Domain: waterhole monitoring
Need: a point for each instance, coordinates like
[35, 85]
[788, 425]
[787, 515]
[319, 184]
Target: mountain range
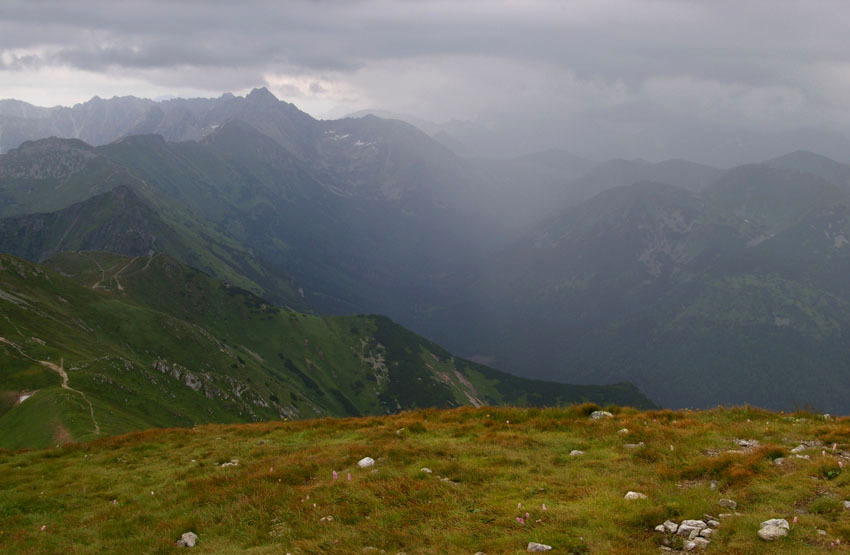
[697, 284]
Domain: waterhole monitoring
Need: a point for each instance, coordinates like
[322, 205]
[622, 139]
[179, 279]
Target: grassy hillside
[489, 467]
[149, 342]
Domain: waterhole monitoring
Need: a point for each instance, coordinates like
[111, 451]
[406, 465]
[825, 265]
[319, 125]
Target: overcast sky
[618, 65]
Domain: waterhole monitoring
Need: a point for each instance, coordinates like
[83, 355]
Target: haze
[715, 82]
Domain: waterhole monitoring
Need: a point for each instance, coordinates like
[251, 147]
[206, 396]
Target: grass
[139, 492]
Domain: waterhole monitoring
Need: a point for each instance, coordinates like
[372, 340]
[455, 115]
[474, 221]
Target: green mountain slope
[146, 341]
[735, 295]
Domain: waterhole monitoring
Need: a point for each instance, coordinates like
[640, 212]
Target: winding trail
[64, 375]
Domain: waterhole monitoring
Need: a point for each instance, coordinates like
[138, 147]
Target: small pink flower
[527, 515]
[834, 445]
[840, 464]
[43, 528]
[308, 497]
[544, 506]
[823, 452]
[519, 506]
[349, 476]
[271, 469]
[837, 542]
[795, 520]
[671, 447]
[335, 475]
[114, 501]
[520, 520]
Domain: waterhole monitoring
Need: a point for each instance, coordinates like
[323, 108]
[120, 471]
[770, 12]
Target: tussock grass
[489, 466]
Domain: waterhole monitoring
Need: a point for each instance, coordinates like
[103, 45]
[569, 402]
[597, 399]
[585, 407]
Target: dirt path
[102, 272]
[118, 273]
[64, 375]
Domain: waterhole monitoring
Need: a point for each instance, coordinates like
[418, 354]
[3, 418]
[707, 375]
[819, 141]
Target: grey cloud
[607, 69]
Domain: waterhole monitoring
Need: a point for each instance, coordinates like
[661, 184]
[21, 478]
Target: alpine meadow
[471, 277]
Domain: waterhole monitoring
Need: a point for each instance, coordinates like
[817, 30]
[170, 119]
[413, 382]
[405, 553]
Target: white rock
[366, 462]
[821, 532]
[234, 462]
[534, 547]
[701, 543]
[773, 529]
[635, 495]
[189, 539]
[713, 523]
[728, 503]
[600, 414]
[706, 533]
[689, 531]
[847, 505]
[690, 546]
[798, 449]
[670, 526]
[779, 461]
[623, 431]
[633, 445]
[576, 453]
[425, 469]
[698, 524]
[806, 457]
[660, 528]
[328, 518]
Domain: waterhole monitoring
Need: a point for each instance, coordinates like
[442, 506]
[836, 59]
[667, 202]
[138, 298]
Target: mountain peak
[262, 96]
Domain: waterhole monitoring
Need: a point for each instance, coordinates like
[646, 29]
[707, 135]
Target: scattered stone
[728, 503]
[690, 529]
[798, 449]
[773, 529]
[189, 539]
[534, 547]
[747, 443]
[779, 461]
[634, 445]
[635, 495]
[847, 505]
[806, 457]
[623, 431]
[665, 548]
[328, 518]
[400, 431]
[725, 515]
[576, 453]
[690, 545]
[821, 532]
[233, 462]
[366, 462]
[706, 533]
[660, 528]
[600, 414]
[713, 485]
[701, 543]
[670, 526]
[425, 469]
[480, 553]
[713, 523]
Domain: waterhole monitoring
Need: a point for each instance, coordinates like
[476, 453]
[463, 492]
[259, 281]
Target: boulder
[774, 529]
[635, 495]
[425, 469]
[576, 453]
[670, 526]
[189, 539]
[728, 503]
[534, 547]
[366, 462]
[600, 414]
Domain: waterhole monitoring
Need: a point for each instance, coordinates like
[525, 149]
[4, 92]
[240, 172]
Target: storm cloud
[649, 78]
